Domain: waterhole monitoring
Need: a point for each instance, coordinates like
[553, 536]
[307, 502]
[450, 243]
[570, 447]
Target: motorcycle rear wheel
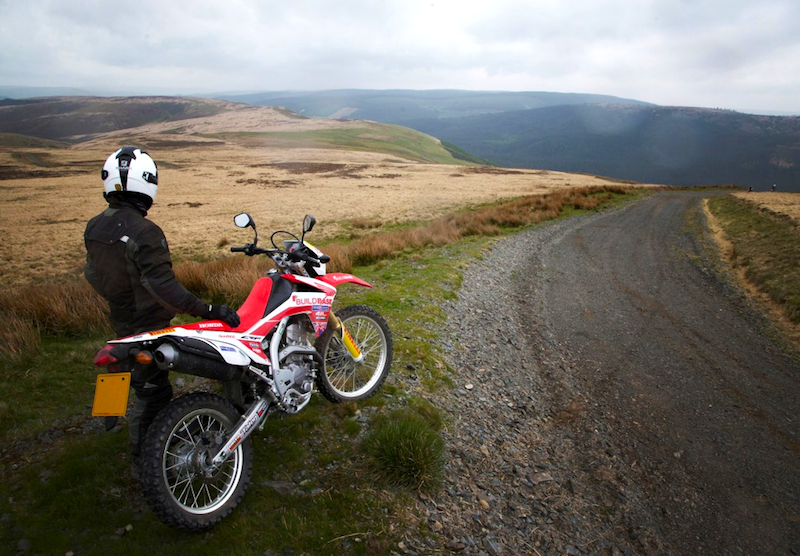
[341, 378]
[179, 486]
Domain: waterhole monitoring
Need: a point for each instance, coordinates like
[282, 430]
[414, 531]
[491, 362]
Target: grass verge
[763, 248]
[314, 490]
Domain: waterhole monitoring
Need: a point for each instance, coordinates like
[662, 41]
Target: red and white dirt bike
[197, 458]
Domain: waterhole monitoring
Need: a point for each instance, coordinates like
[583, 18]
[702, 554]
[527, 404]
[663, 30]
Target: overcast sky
[738, 54]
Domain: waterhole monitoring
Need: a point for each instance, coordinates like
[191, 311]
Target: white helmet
[130, 170]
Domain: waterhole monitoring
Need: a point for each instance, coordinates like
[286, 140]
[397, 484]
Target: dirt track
[705, 406]
[643, 409]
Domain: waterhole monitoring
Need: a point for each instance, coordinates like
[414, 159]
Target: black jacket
[128, 263]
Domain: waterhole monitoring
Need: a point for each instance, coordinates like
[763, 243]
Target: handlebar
[299, 255]
[281, 257]
[249, 249]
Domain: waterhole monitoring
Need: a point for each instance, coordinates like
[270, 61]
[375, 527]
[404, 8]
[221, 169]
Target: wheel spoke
[182, 460]
[351, 379]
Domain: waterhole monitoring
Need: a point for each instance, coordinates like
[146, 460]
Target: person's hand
[223, 313]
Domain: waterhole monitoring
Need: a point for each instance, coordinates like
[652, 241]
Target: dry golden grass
[230, 279]
[70, 308]
[201, 188]
[781, 203]
[48, 195]
[18, 338]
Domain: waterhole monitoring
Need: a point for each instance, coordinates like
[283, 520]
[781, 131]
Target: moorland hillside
[604, 135]
[217, 159]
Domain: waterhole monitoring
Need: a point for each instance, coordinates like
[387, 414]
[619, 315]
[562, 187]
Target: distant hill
[678, 146]
[179, 122]
[64, 118]
[596, 134]
[403, 106]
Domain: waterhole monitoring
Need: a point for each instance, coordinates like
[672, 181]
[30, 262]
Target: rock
[455, 545]
[492, 547]
[484, 504]
[469, 386]
[541, 477]
[23, 545]
[485, 450]
[283, 488]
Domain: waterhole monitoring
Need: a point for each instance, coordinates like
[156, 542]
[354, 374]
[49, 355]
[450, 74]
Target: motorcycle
[197, 456]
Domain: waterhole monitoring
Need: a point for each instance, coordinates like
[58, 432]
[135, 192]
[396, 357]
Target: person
[129, 264]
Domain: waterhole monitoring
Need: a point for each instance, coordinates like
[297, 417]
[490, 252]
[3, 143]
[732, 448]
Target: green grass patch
[461, 154]
[403, 449]
[766, 246]
[53, 384]
[388, 139]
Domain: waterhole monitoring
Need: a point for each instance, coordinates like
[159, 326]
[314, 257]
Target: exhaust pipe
[168, 357]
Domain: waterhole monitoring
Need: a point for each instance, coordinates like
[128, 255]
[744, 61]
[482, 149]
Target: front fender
[336, 278]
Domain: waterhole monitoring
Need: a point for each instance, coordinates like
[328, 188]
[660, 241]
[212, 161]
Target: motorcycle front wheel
[341, 377]
[180, 486]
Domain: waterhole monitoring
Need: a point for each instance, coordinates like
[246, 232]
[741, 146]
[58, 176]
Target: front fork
[347, 339]
[256, 414]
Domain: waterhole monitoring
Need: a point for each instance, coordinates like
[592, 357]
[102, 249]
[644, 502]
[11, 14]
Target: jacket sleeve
[91, 275]
[150, 254]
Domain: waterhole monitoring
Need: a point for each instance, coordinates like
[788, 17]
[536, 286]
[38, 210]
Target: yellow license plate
[111, 395]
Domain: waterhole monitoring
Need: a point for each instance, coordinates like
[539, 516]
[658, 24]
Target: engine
[294, 379]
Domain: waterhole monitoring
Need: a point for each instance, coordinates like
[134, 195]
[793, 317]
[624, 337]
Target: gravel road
[615, 395]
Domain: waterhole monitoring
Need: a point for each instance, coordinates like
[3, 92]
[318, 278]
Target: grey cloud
[668, 51]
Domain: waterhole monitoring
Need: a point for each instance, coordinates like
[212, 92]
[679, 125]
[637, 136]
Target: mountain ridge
[672, 145]
[594, 134]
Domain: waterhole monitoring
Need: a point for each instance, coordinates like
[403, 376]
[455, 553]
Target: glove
[223, 313]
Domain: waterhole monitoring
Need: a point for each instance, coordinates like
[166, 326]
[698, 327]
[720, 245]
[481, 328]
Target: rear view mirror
[243, 220]
[308, 223]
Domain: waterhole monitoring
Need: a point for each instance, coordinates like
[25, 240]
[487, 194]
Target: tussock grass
[366, 223]
[403, 449]
[490, 220]
[227, 280]
[68, 309]
[18, 338]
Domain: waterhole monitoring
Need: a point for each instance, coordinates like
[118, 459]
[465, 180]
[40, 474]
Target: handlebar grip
[238, 250]
[324, 259]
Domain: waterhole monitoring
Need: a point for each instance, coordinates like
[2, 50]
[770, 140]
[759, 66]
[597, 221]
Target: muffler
[169, 357]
